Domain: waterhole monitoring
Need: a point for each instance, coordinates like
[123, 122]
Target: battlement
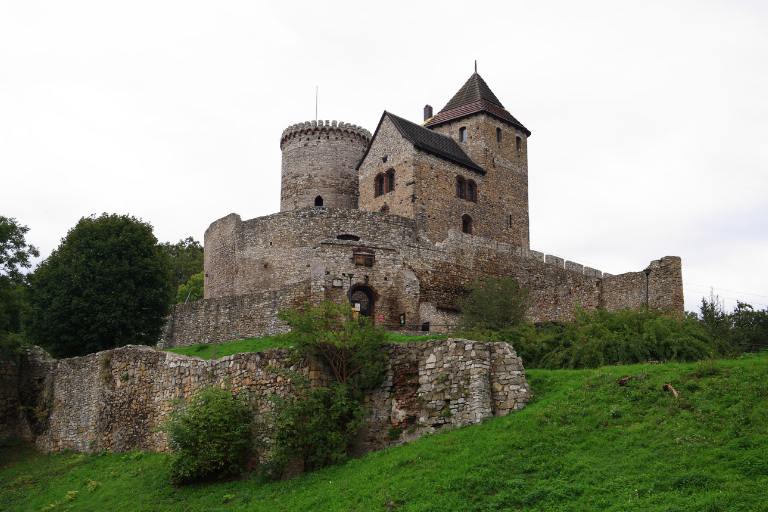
[324, 127]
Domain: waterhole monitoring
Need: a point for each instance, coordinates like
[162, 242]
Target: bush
[596, 338]
[192, 290]
[350, 346]
[494, 303]
[317, 427]
[210, 436]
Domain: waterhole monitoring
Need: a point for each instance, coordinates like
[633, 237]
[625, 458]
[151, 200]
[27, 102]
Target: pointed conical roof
[474, 96]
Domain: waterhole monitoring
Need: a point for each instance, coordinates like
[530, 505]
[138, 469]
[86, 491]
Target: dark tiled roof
[473, 97]
[433, 142]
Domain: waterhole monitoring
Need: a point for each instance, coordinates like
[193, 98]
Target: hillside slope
[584, 443]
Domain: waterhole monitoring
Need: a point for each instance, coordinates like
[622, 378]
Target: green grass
[584, 443]
[216, 350]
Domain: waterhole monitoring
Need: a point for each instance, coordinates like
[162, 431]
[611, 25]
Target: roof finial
[475, 66]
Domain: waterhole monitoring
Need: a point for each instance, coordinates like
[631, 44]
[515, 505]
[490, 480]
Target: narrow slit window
[471, 191]
[378, 185]
[463, 134]
[390, 181]
[460, 187]
[498, 135]
[466, 224]
[519, 143]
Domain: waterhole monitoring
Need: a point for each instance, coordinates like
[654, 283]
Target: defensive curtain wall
[314, 254]
[115, 400]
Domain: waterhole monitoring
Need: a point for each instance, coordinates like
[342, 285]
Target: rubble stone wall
[116, 400]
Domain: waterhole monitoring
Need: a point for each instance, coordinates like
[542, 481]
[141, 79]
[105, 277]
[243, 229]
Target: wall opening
[463, 134]
[498, 135]
[466, 224]
[319, 201]
[347, 236]
[519, 143]
[362, 299]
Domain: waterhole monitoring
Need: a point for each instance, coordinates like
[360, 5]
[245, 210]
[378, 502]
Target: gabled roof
[473, 97]
[428, 141]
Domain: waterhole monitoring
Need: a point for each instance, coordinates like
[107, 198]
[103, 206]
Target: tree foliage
[105, 286]
[192, 290]
[15, 256]
[350, 346]
[210, 435]
[317, 426]
[186, 257]
[494, 303]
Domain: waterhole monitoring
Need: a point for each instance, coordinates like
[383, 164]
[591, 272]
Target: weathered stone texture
[229, 318]
[320, 159]
[115, 400]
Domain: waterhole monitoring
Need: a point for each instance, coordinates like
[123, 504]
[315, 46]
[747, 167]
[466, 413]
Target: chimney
[427, 112]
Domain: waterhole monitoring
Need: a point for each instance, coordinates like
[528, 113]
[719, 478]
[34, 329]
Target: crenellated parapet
[324, 128]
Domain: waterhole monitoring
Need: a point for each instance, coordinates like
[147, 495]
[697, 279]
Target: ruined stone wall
[229, 318]
[659, 286]
[115, 400]
[320, 159]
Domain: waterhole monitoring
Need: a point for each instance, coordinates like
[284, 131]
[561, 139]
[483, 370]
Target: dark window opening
[384, 208]
[362, 299]
[463, 134]
[319, 201]
[460, 187]
[509, 221]
[346, 236]
[378, 185]
[498, 135]
[519, 143]
[425, 327]
[466, 224]
[471, 191]
[390, 183]
[363, 259]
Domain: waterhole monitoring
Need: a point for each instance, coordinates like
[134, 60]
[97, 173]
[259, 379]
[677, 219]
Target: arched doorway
[362, 297]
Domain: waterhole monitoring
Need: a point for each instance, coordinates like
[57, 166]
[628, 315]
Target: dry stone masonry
[116, 400]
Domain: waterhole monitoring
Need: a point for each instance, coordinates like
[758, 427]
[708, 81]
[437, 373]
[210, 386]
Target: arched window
[463, 134]
[471, 191]
[390, 183]
[519, 143]
[319, 201]
[378, 185]
[466, 224]
[460, 187]
[498, 135]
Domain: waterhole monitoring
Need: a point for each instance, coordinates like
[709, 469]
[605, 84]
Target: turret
[319, 164]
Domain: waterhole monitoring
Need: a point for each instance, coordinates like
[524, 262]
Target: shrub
[317, 426]
[494, 303]
[210, 436]
[192, 290]
[350, 346]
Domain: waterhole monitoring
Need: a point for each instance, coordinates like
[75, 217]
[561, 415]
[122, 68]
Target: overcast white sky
[649, 119]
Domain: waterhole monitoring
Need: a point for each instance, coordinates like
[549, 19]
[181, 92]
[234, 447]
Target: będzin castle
[399, 223]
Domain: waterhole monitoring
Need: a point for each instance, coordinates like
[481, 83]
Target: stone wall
[229, 318]
[115, 400]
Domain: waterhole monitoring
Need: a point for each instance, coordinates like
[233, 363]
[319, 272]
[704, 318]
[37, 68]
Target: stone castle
[400, 223]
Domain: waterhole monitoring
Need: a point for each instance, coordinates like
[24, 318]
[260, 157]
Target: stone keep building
[400, 223]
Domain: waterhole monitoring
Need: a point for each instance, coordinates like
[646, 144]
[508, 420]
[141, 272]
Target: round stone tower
[319, 160]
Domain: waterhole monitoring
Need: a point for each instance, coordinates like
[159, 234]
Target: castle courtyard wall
[117, 400]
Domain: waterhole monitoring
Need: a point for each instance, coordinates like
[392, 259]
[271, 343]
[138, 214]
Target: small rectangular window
[463, 134]
[519, 143]
[498, 135]
[363, 259]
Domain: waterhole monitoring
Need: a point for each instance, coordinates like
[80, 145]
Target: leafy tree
[494, 303]
[15, 252]
[105, 286]
[15, 255]
[186, 258]
[350, 346]
[211, 436]
[192, 290]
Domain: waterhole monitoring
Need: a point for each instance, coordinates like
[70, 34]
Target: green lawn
[585, 443]
[216, 350]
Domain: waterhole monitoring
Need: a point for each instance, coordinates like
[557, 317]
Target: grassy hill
[584, 443]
